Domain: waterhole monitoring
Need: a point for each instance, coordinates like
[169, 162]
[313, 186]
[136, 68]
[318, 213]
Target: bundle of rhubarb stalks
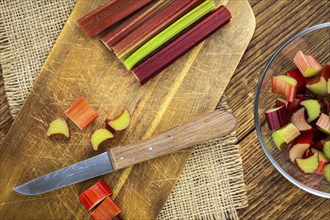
[301, 117]
[149, 35]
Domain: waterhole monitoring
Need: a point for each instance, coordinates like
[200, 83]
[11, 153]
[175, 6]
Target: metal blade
[83, 170]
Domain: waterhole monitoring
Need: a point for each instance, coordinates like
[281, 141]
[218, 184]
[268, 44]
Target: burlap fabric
[211, 185]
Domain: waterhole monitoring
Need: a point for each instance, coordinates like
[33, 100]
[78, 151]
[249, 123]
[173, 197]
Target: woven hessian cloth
[211, 185]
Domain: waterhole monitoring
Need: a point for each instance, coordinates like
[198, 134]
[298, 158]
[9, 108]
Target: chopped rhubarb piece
[58, 127]
[318, 84]
[81, 113]
[95, 194]
[170, 53]
[299, 120]
[169, 33]
[121, 122]
[323, 161]
[99, 136]
[133, 22]
[326, 173]
[308, 165]
[285, 86]
[299, 146]
[326, 149]
[152, 27]
[285, 135]
[277, 118]
[323, 123]
[106, 210]
[291, 107]
[307, 65]
[301, 80]
[108, 15]
[314, 108]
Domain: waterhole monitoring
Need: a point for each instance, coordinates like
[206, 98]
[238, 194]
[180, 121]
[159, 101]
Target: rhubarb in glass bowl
[313, 41]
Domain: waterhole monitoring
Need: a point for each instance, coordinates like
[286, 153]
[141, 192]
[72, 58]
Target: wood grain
[201, 129]
[78, 66]
[270, 195]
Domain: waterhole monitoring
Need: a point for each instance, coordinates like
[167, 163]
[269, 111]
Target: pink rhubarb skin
[133, 22]
[108, 15]
[181, 45]
[149, 29]
[277, 118]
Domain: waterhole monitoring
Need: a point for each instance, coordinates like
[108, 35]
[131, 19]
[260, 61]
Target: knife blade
[203, 128]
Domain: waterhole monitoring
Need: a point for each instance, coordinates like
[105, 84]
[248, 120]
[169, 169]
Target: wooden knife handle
[203, 128]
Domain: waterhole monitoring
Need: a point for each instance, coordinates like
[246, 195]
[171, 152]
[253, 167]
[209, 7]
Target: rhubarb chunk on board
[121, 122]
[95, 194]
[58, 127]
[99, 136]
[108, 209]
[81, 113]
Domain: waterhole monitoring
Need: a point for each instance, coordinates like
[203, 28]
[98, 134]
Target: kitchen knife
[203, 128]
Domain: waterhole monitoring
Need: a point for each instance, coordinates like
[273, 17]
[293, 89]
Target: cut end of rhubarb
[121, 122]
[308, 165]
[285, 86]
[299, 147]
[94, 195]
[108, 209]
[299, 120]
[99, 136]
[285, 135]
[313, 108]
[326, 149]
[307, 65]
[323, 161]
[323, 123]
[58, 127]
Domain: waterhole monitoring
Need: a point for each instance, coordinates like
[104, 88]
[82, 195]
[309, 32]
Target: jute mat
[211, 185]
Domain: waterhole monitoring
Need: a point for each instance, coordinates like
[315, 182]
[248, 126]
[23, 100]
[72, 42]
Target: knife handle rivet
[121, 158]
[150, 148]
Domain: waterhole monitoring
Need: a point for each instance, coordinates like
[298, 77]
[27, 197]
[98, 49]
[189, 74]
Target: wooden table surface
[270, 195]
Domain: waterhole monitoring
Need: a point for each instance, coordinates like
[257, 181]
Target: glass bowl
[314, 41]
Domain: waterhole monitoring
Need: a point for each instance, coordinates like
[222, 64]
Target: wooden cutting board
[78, 66]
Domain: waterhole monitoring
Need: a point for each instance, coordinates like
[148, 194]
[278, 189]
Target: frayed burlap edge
[9, 77]
[211, 186]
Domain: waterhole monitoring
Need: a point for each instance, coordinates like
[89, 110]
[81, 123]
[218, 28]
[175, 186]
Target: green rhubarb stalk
[170, 32]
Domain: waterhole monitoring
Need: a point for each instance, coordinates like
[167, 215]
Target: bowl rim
[256, 121]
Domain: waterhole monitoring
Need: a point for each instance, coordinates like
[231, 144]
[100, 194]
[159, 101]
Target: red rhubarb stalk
[133, 22]
[149, 29]
[301, 80]
[181, 45]
[95, 194]
[106, 210]
[108, 15]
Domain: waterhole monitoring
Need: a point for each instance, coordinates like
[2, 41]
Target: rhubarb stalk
[170, 32]
[108, 15]
[152, 27]
[173, 51]
[133, 22]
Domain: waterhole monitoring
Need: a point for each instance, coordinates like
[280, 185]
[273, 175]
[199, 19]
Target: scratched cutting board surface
[78, 66]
